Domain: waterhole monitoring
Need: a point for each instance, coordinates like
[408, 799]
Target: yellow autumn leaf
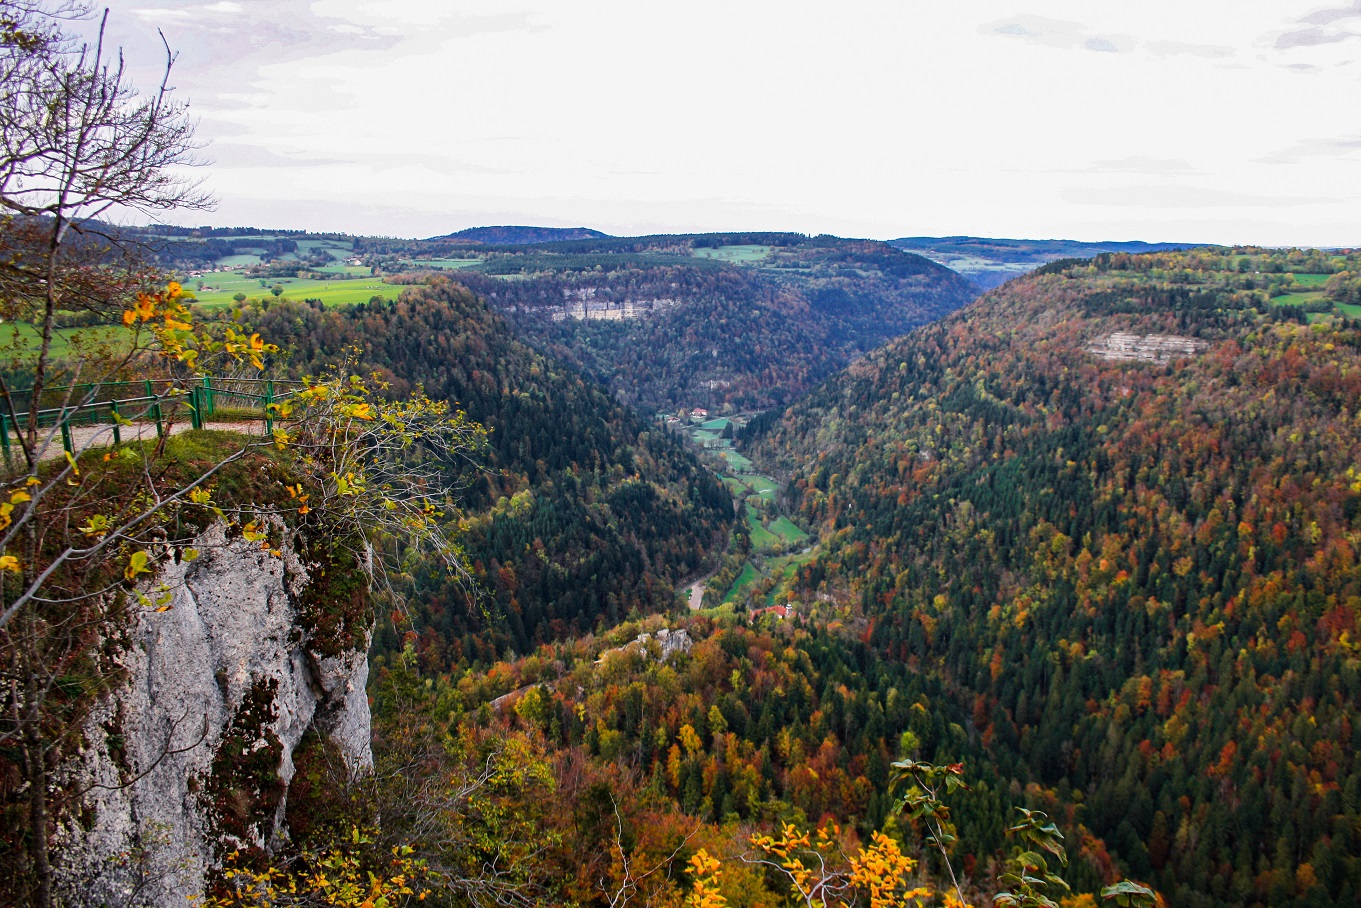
[137, 564]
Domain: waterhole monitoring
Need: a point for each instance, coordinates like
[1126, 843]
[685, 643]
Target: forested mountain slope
[738, 320]
[1138, 577]
[584, 511]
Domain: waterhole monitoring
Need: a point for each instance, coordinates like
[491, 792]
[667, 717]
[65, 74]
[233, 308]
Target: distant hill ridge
[990, 261]
[523, 236]
[1035, 248]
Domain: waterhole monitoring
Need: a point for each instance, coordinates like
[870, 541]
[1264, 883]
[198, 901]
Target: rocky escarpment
[193, 753]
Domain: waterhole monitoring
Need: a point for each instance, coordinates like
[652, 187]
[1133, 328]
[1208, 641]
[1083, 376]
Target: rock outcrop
[1150, 348]
[194, 752]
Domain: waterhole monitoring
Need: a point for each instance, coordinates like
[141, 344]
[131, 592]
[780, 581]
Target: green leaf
[137, 564]
[1130, 894]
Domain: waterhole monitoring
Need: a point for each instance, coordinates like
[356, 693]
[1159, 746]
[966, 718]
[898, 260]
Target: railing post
[195, 416]
[4, 437]
[206, 398]
[155, 407]
[269, 404]
[117, 429]
[66, 435]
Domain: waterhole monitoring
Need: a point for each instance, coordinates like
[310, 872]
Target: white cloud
[1058, 33]
[872, 117]
[1328, 16]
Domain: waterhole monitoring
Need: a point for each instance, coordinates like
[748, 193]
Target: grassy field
[736, 461]
[788, 532]
[738, 255]
[1299, 299]
[1311, 280]
[22, 339]
[783, 570]
[1349, 310]
[762, 539]
[220, 288]
[332, 247]
[748, 578]
[351, 270]
[763, 486]
[446, 264]
[716, 425]
[780, 533]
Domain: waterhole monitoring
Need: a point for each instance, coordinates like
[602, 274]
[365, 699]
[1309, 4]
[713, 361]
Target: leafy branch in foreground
[386, 470]
[818, 871]
[922, 801]
[344, 875]
[1027, 877]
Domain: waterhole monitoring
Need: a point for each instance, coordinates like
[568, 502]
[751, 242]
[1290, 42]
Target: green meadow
[736, 461]
[748, 578]
[443, 264]
[783, 570]
[220, 288]
[763, 486]
[766, 577]
[762, 539]
[21, 340]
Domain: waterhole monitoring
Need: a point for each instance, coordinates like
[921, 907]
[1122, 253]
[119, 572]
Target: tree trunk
[35, 766]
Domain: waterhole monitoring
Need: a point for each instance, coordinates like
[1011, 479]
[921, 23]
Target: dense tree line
[1140, 579]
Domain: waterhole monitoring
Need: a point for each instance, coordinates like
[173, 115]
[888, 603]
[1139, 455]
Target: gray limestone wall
[193, 753]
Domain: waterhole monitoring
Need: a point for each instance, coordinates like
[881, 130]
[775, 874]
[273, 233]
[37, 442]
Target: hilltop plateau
[723, 321]
[515, 236]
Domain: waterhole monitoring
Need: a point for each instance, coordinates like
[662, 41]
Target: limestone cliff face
[194, 751]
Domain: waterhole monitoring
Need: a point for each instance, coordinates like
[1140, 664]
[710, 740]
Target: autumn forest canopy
[527, 566]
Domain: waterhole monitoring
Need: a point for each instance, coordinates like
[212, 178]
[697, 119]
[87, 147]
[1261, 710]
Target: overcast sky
[1180, 120]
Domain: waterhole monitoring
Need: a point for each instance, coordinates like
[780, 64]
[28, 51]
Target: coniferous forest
[1120, 590]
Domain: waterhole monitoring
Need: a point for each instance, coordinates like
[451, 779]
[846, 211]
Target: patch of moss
[321, 802]
[244, 788]
[335, 609]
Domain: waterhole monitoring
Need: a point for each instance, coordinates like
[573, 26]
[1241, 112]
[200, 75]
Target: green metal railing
[110, 402]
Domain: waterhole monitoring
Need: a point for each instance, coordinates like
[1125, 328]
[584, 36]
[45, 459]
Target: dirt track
[85, 437]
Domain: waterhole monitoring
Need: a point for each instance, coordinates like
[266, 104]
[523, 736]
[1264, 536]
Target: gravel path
[84, 438]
